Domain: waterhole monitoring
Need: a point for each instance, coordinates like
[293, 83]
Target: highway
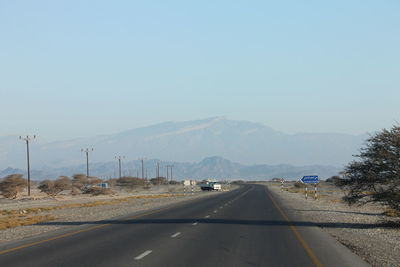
[243, 227]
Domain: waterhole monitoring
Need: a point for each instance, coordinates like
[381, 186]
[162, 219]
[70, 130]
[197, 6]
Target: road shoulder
[321, 243]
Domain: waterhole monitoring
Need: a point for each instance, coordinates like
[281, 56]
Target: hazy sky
[79, 68]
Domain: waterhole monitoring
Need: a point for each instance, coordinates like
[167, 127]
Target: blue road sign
[309, 179]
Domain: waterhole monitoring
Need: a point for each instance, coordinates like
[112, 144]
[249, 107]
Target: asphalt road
[244, 227]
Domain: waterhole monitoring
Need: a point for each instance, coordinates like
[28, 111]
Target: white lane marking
[144, 254]
[176, 234]
[194, 223]
[215, 211]
[208, 216]
[221, 207]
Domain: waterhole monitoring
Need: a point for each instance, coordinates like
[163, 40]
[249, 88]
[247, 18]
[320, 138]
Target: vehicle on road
[210, 186]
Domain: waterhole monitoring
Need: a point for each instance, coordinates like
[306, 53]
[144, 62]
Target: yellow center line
[298, 236]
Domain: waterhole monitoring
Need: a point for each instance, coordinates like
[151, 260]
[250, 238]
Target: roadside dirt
[27, 217]
[363, 229]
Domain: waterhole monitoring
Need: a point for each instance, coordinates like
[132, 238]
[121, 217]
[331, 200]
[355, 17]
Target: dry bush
[295, 190]
[80, 182]
[158, 180]
[299, 185]
[92, 181]
[112, 182]
[20, 220]
[97, 191]
[392, 213]
[333, 179]
[130, 182]
[12, 185]
[53, 188]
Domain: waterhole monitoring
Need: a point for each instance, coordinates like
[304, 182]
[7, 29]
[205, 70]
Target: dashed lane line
[195, 223]
[144, 254]
[176, 234]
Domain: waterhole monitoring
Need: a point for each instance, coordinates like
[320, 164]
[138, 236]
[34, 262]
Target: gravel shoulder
[363, 229]
[111, 206]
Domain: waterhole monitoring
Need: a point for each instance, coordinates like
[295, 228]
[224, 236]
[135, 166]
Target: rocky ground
[69, 211]
[364, 229]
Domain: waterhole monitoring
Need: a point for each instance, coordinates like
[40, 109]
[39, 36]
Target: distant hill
[191, 141]
[211, 167]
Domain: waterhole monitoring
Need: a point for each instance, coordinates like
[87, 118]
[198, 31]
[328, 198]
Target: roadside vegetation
[375, 177]
[79, 186]
[53, 188]
[12, 185]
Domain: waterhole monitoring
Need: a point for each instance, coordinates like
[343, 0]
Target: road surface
[244, 227]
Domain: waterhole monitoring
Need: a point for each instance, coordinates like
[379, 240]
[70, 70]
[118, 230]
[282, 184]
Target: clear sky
[79, 68]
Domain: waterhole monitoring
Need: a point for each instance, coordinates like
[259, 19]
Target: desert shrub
[11, 185]
[97, 191]
[53, 188]
[299, 185]
[92, 180]
[375, 177]
[333, 179]
[174, 182]
[112, 182]
[130, 182]
[158, 180]
[80, 182]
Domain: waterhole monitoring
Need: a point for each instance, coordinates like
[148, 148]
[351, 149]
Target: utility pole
[87, 150]
[27, 139]
[119, 164]
[142, 160]
[167, 171]
[169, 167]
[158, 170]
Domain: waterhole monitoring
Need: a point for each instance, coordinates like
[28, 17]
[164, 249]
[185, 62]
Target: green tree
[375, 177]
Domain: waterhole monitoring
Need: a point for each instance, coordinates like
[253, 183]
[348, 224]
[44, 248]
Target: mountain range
[190, 141]
[211, 167]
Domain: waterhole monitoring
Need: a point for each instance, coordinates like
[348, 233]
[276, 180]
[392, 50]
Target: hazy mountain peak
[191, 141]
